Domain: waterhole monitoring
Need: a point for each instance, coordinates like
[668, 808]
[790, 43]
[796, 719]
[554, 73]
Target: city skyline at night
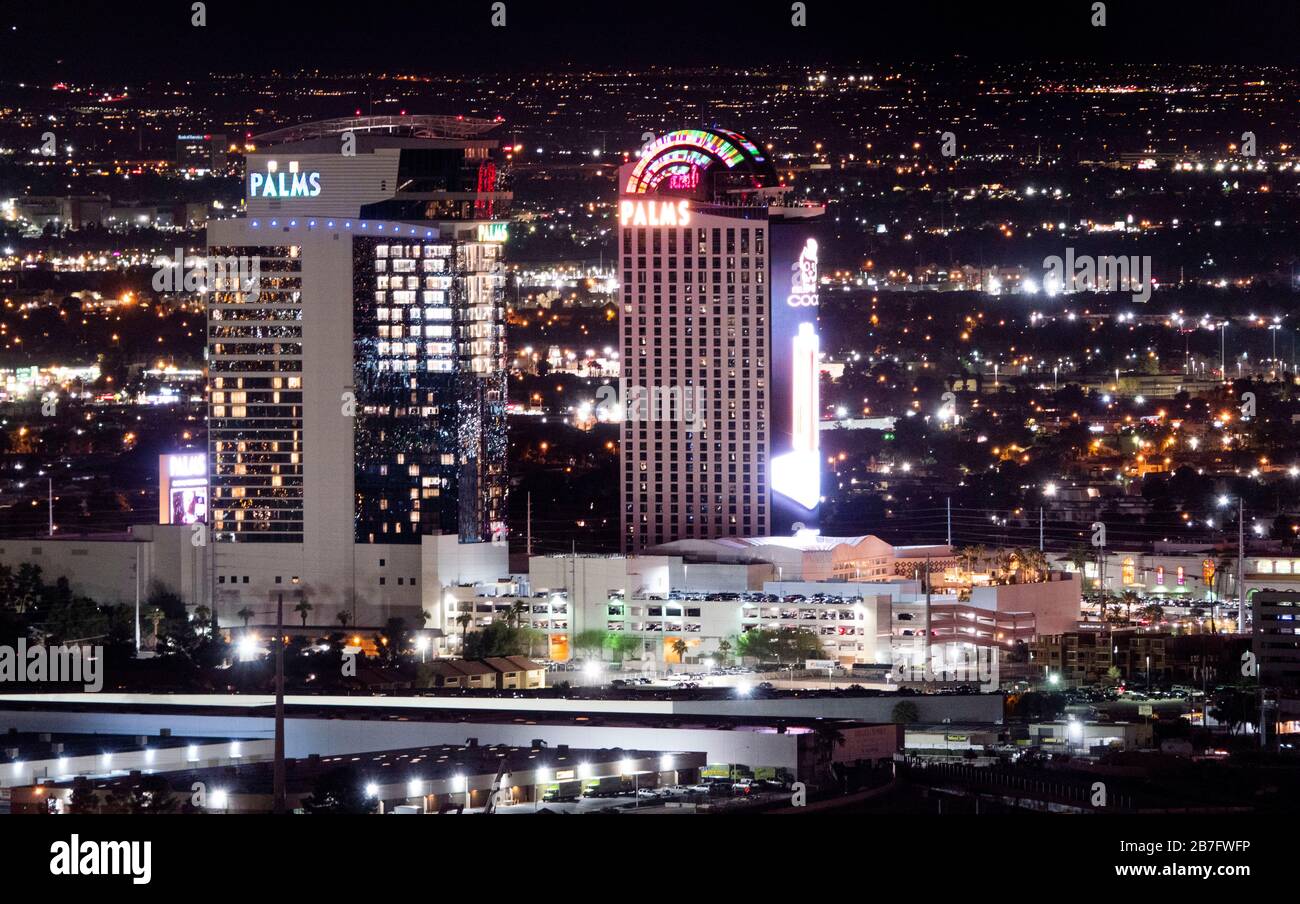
[510, 408]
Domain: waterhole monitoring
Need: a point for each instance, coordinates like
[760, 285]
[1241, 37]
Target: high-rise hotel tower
[708, 396]
[357, 384]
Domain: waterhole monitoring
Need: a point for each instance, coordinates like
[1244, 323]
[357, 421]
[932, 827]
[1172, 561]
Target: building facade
[356, 350]
[695, 218]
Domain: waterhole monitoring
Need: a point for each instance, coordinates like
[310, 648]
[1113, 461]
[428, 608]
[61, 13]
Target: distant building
[1086, 657]
[1276, 640]
[495, 672]
[201, 155]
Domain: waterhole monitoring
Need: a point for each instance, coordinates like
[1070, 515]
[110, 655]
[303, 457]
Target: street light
[422, 644]
[1241, 558]
[541, 776]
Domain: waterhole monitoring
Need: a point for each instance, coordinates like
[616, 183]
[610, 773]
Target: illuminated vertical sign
[183, 488]
[795, 376]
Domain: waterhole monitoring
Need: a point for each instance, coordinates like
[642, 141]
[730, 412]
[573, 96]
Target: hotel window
[1264, 566]
[1128, 572]
[1282, 566]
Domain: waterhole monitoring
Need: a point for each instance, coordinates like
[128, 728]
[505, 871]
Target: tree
[679, 647]
[246, 614]
[826, 738]
[1034, 561]
[590, 640]
[621, 645]
[302, 609]
[1130, 598]
[341, 792]
[1234, 707]
[517, 612]
[1153, 612]
[758, 643]
[152, 795]
[724, 649]
[463, 621]
[904, 713]
[343, 617]
[500, 638]
[155, 615]
[1079, 557]
[82, 798]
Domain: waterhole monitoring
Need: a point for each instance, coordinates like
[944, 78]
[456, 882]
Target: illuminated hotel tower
[696, 214]
[357, 391]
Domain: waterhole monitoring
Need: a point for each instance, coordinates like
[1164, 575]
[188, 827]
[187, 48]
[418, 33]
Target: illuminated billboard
[183, 488]
[795, 410]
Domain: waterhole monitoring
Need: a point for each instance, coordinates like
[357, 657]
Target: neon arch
[677, 152]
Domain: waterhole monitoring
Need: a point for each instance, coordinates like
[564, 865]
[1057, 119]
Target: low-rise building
[1086, 657]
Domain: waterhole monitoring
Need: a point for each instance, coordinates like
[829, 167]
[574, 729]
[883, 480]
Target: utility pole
[1241, 561]
[1223, 350]
[277, 775]
[1040, 528]
[528, 529]
[927, 664]
[51, 483]
[138, 547]
[950, 521]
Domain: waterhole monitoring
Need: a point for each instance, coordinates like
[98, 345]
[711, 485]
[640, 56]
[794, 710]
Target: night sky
[119, 41]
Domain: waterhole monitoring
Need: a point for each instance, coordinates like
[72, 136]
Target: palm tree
[1079, 557]
[825, 739]
[246, 614]
[724, 649]
[1006, 560]
[302, 609]
[1035, 562]
[679, 647]
[155, 615]
[343, 617]
[516, 614]
[464, 620]
[1130, 597]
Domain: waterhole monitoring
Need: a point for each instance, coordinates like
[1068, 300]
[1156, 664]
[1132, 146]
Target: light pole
[1223, 350]
[277, 774]
[1241, 558]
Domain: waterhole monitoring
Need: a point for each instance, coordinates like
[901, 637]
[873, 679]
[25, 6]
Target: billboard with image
[795, 404]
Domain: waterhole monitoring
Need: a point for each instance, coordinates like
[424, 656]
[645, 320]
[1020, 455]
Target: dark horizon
[156, 40]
